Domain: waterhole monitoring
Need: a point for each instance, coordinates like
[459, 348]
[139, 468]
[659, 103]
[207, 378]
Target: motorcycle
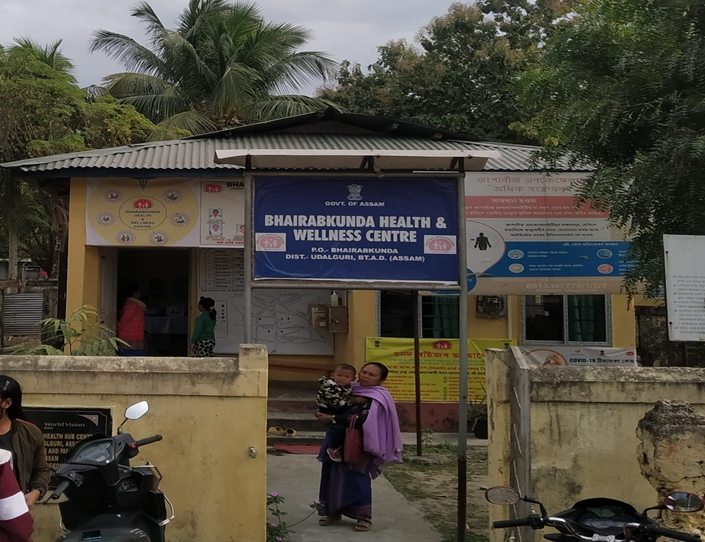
[600, 519]
[108, 500]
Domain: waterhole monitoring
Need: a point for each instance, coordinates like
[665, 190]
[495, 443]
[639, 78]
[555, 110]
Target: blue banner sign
[357, 229]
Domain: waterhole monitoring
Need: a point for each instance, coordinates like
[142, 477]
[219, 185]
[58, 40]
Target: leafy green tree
[43, 231]
[622, 88]
[38, 102]
[43, 113]
[462, 74]
[399, 84]
[49, 54]
[221, 66]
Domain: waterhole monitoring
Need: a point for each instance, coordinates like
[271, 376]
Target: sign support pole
[249, 256]
[416, 299]
[463, 359]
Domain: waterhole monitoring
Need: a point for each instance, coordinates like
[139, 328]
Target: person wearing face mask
[25, 441]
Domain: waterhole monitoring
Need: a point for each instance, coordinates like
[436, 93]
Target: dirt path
[433, 489]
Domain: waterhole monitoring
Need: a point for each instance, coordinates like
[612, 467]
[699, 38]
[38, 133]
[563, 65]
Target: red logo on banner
[440, 244]
[270, 242]
[213, 188]
[442, 345]
[143, 204]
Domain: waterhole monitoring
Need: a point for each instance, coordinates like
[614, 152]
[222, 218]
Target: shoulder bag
[354, 449]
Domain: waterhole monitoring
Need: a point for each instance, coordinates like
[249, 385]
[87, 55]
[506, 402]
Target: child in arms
[335, 397]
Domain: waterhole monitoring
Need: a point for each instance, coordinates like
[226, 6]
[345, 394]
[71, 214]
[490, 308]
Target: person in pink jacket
[130, 327]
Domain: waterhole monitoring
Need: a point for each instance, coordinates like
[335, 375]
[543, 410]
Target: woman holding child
[346, 490]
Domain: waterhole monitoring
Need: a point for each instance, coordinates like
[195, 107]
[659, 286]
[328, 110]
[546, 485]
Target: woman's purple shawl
[380, 432]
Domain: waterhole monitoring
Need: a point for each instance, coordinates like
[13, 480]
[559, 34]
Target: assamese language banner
[527, 235]
[440, 366]
[399, 229]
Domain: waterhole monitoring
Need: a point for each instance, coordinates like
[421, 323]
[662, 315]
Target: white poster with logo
[579, 356]
[223, 213]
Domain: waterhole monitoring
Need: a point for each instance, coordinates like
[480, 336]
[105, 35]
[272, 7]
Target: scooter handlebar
[532, 521]
[60, 489]
[506, 523]
[148, 440]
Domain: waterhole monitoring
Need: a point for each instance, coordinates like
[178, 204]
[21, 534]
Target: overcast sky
[345, 29]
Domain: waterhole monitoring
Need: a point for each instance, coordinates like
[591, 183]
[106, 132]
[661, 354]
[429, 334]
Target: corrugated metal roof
[199, 154]
[519, 158]
[332, 120]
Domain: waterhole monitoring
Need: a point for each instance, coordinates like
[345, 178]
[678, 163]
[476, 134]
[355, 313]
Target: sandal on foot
[362, 526]
[327, 520]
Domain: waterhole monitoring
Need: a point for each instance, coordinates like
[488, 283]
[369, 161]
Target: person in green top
[203, 338]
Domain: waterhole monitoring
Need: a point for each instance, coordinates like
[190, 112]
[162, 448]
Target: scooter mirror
[136, 411]
[684, 501]
[502, 495]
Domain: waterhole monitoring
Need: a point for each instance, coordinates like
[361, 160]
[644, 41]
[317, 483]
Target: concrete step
[302, 438]
[288, 404]
[294, 389]
[300, 421]
[294, 420]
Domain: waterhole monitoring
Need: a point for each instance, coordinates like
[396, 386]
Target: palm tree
[223, 65]
[49, 54]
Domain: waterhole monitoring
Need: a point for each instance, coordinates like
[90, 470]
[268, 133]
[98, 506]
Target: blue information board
[562, 259]
[356, 229]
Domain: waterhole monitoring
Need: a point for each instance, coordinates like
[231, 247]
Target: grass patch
[433, 489]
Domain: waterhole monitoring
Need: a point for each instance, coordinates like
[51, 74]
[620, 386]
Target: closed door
[107, 303]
